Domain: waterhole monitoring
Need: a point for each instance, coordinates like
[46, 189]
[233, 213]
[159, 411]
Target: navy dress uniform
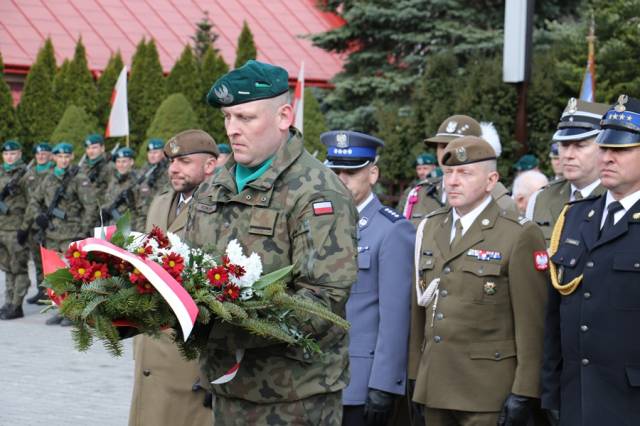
[378, 307]
[591, 370]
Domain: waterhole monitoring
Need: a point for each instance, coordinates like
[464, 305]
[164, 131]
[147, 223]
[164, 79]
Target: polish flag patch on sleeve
[322, 207]
[541, 260]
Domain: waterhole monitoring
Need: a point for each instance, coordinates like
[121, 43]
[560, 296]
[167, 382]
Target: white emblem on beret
[174, 146]
[572, 106]
[622, 99]
[223, 94]
[342, 140]
[451, 126]
[461, 154]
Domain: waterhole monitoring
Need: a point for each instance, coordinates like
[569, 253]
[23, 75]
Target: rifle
[81, 162]
[52, 209]
[122, 197]
[10, 188]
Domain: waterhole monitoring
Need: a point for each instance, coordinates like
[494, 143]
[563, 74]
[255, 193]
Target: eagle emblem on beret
[461, 154]
[451, 126]
[173, 145]
[342, 140]
[622, 99]
[223, 94]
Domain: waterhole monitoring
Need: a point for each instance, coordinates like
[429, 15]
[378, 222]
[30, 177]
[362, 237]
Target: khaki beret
[192, 141]
[467, 150]
[454, 128]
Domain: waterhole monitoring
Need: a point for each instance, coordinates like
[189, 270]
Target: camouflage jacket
[99, 175]
[122, 196]
[154, 183]
[34, 180]
[15, 198]
[278, 217]
[78, 204]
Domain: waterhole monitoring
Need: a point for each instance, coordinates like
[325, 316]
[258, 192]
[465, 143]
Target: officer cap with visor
[580, 120]
[621, 124]
[350, 150]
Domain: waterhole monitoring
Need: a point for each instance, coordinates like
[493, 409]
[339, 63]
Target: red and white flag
[118, 124]
[298, 100]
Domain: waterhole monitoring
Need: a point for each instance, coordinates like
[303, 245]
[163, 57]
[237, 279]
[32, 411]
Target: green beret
[526, 162]
[93, 139]
[155, 143]
[42, 147]
[251, 82]
[124, 153]
[63, 148]
[425, 159]
[191, 142]
[467, 150]
[11, 145]
[224, 148]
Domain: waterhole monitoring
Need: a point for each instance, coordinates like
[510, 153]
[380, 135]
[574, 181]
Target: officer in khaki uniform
[478, 303]
[429, 195]
[13, 251]
[121, 194]
[283, 204]
[579, 125]
[168, 390]
[155, 179]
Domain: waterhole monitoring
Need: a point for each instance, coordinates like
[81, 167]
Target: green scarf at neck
[244, 174]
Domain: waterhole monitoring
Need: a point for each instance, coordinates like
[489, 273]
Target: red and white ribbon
[176, 296]
[231, 373]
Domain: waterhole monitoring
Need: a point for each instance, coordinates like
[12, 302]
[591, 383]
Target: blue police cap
[621, 124]
[580, 120]
[93, 139]
[42, 147]
[349, 150]
[155, 143]
[124, 153]
[11, 145]
[63, 148]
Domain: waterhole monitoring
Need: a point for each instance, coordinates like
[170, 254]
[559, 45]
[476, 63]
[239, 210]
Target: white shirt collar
[183, 199]
[627, 202]
[365, 203]
[468, 219]
[586, 191]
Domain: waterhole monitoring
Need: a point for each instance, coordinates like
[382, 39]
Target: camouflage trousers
[13, 261]
[34, 248]
[324, 409]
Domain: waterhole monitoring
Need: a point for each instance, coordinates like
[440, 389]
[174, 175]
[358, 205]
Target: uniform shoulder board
[556, 182]
[514, 217]
[391, 214]
[441, 210]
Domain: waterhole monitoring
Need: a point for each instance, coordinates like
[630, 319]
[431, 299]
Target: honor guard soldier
[591, 372]
[280, 202]
[225, 153]
[525, 163]
[556, 161]
[425, 165]
[579, 125]
[121, 194]
[378, 307]
[154, 179]
[14, 254]
[96, 165]
[35, 175]
[168, 390]
[63, 206]
[478, 302]
[430, 195]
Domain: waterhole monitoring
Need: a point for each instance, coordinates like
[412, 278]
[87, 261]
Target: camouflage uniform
[13, 256]
[154, 183]
[78, 203]
[98, 171]
[121, 196]
[274, 217]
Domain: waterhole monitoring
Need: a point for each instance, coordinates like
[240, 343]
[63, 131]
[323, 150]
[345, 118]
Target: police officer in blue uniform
[379, 305]
[591, 373]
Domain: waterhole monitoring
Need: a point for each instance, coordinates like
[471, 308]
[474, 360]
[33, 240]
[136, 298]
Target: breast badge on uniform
[490, 288]
[363, 222]
[541, 260]
[485, 254]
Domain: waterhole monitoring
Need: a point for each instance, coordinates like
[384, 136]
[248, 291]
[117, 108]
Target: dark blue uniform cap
[580, 120]
[621, 124]
[93, 139]
[553, 152]
[349, 150]
[42, 147]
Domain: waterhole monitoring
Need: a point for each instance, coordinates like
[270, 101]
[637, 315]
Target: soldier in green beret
[154, 179]
[225, 153]
[280, 202]
[96, 166]
[525, 163]
[425, 164]
[478, 301]
[63, 206]
[13, 251]
[121, 194]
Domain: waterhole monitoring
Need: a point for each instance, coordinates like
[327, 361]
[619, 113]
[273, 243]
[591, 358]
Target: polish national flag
[118, 124]
[298, 100]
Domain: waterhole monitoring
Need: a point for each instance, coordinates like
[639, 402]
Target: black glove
[106, 215]
[515, 411]
[378, 407]
[22, 236]
[42, 221]
[553, 416]
[208, 399]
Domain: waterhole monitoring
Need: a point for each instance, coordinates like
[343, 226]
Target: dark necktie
[458, 234]
[609, 221]
[181, 204]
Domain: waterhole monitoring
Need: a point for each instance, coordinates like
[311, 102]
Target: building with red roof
[278, 27]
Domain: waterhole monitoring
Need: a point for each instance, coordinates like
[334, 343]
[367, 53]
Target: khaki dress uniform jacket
[162, 390]
[482, 337]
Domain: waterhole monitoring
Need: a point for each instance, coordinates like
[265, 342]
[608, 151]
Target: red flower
[136, 277]
[218, 276]
[99, 271]
[145, 288]
[157, 234]
[173, 263]
[236, 270]
[144, 251]
[123, 266]
[74, 253]
[100, 257]
[81, 270]
[232, 291]
[225, 260]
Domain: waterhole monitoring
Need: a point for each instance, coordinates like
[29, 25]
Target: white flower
[252, 265]
[178, 246]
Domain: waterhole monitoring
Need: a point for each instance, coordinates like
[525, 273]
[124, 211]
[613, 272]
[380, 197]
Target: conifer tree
[314, 125]
[83, 92]
[246, 47]
[47, 55]
[173, 116]
[106, 83]
[146, 89]
[9, 122]
[185, 78]
[73, 127]
[212, 68]
[204, 37]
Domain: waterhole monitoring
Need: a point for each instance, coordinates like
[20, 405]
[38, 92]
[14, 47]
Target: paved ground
[45, 381]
